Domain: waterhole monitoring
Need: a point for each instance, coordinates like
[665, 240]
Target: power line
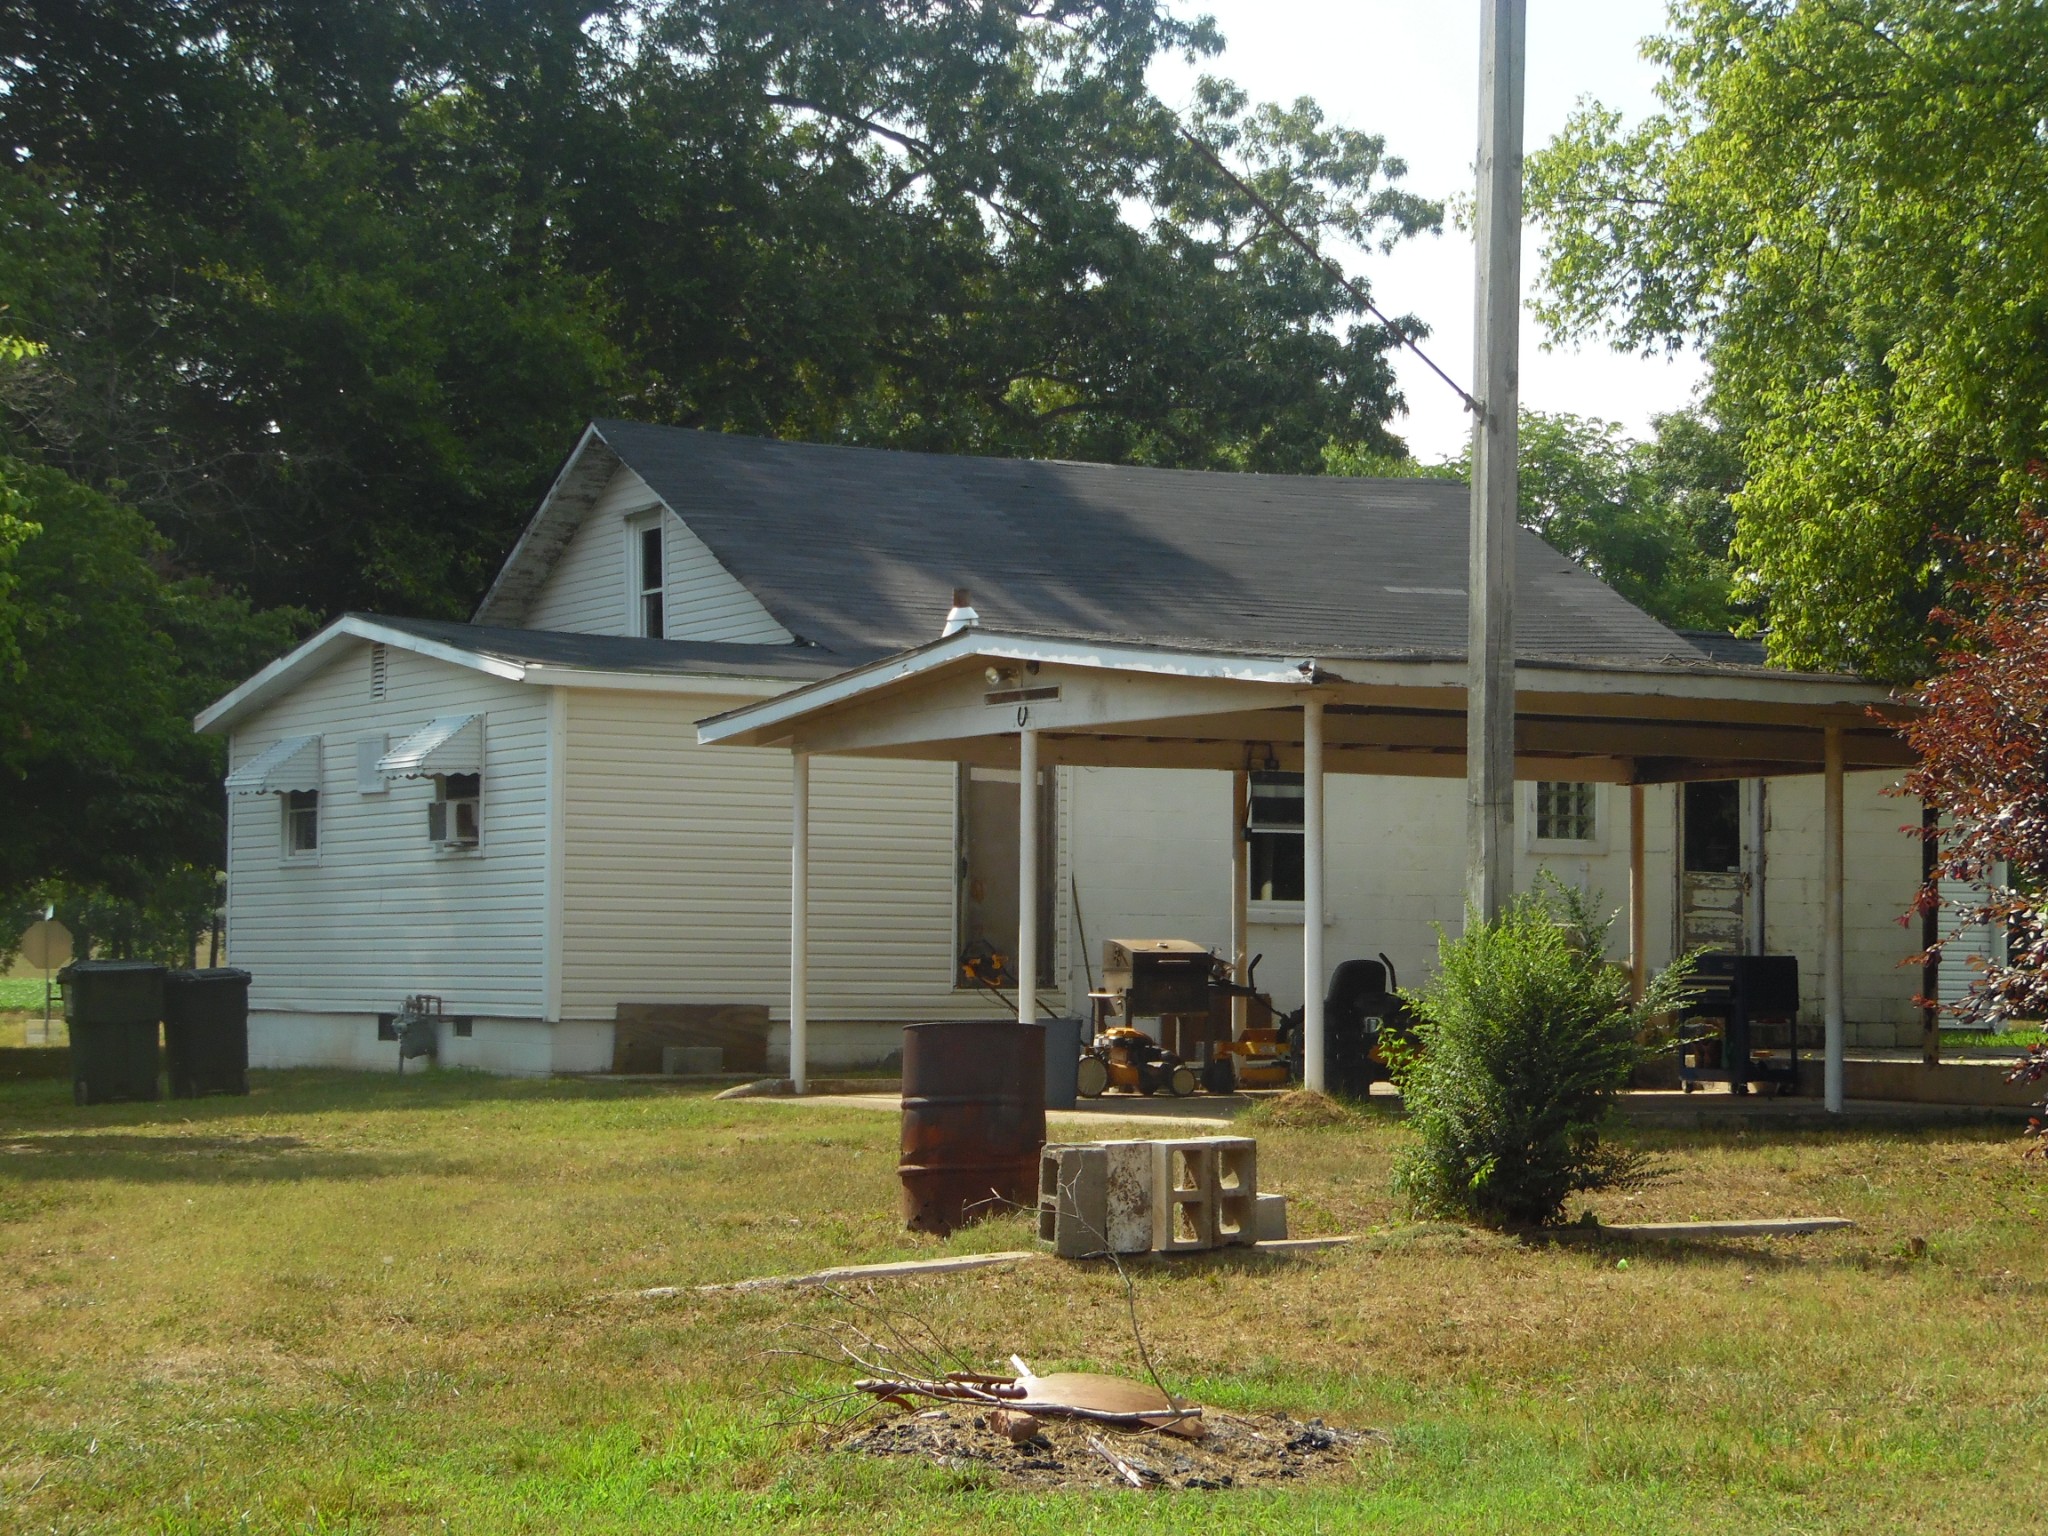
[1336, 273]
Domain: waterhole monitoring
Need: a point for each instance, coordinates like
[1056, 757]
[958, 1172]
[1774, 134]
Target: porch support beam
[799, 921]
[1831, 922]
[1027, 876]
[1312, 896]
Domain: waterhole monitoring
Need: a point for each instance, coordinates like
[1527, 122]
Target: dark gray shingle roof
[1734, 650]
[621, 653]
[857, 550]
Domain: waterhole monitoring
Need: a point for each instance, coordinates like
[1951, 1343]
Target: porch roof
[1114, 703]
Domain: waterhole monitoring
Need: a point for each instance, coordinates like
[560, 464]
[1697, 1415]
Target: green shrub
[1523, 1041]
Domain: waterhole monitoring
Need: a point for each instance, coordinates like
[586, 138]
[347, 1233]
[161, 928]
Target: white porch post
[1312, 902]
[1638, 898]
[1027, 876]
[799, 920]
[1240, 879]
[1831, 920]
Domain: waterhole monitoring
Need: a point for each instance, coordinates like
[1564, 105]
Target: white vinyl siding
[593, 587]
[1970, 945]
[381, 914]
[676, 871]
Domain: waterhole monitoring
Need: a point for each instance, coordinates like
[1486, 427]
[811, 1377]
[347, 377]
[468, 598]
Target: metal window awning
[449, 744]
[283, 767]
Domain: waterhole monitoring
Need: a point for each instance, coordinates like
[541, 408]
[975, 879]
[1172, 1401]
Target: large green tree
[1653, 519]
[325, 290]
[105, 655]
[1845, 204]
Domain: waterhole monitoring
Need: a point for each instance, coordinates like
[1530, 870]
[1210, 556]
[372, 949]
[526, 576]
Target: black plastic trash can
[111, 1008]
[206, 1031]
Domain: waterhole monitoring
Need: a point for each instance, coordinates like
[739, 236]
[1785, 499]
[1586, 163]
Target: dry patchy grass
[351, 1303]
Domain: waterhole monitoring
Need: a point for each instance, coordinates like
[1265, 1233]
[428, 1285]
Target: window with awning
[287, 767]
[448, 744]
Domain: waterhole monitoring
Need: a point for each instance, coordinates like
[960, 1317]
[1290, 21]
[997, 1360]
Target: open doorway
[985, 944]
[1720, 890]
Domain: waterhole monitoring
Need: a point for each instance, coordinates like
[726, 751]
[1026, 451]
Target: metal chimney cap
[961, 615]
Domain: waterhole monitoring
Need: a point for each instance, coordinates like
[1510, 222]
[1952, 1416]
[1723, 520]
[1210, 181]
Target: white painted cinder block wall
[1151, 858]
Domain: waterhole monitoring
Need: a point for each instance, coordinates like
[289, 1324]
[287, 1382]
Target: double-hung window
[301, 823]
[648, 587]
[455, 818]
[1274, 832]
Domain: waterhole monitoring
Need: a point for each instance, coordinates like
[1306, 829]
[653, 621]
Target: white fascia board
[279, 677]
[1818, 690]
[517, 558]
[977, 644]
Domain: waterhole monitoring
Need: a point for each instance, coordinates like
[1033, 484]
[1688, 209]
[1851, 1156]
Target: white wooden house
[516, 815]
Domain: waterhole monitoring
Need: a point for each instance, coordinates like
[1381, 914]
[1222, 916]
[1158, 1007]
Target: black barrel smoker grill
[1742, 1025]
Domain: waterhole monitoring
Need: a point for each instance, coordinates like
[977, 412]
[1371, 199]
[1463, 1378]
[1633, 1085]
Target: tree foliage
[1524, 1040]
[104, 786]
[1982, 741]
[1654, 519]
[1845, 204]
[326, 290]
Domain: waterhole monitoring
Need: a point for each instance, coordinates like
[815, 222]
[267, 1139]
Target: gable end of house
[606, 554]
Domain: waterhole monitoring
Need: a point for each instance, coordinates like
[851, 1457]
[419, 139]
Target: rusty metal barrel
[973, 1120]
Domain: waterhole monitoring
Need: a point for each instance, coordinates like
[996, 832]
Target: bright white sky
[1408, 70]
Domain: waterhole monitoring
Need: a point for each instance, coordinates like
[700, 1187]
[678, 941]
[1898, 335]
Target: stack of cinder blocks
[1149, 1196]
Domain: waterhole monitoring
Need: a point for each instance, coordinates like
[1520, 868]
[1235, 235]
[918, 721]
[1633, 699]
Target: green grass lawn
[23, 992]
[2019, 1035]
[360, 1304]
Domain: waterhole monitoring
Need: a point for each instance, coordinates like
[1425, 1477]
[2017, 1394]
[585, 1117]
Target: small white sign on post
[46, 945]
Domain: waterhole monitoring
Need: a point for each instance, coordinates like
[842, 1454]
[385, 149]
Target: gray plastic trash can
[1062, 1061]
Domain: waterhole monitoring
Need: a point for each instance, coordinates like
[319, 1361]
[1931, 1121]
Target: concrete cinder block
[1237, 1189]
[1271, 1221]
[1129, 1175]
[1183, 1195]
[1073, 1199]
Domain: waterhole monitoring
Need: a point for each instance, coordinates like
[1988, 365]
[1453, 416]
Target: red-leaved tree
[1983, 747]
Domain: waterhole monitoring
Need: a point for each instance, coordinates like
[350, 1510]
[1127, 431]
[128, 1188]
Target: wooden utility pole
[1490, 686]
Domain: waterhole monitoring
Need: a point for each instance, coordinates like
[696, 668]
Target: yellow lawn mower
[1131, 1060]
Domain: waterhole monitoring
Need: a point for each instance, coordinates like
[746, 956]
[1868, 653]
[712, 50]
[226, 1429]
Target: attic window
[647, 570]
[380, 669]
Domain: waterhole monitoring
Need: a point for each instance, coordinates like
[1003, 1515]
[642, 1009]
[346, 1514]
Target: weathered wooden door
[1720, 851]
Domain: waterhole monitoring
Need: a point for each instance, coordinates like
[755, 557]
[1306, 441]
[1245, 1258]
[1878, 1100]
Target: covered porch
[1015, 701]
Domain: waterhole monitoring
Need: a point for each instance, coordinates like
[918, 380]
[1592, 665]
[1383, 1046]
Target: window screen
[1713, 827]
